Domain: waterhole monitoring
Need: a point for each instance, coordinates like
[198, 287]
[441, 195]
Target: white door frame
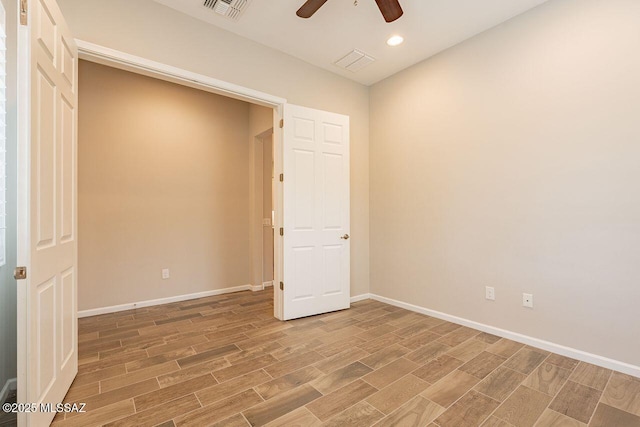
[256, 161]
[22, 224]
[124, 61]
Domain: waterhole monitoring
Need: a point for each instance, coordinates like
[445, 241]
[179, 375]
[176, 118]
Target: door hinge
[281, 177]
[282, 286]
[20, 273]
[281, 123]
[24, 7]
[281, 231]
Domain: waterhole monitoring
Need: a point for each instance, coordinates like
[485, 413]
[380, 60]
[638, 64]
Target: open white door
[316, 212]
[47, 211]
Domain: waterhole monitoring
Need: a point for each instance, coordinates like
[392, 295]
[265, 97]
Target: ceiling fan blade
[309, 8]
[391, 9]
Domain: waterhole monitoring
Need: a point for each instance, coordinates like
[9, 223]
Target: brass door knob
[345, 237]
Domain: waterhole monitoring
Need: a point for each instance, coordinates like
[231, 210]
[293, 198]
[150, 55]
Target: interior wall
[162, 183]
[150, 30]
[8, 289]
[511, 160]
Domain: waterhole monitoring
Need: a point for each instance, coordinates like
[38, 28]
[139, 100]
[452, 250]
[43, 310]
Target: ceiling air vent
[231, 9]
[354, 61]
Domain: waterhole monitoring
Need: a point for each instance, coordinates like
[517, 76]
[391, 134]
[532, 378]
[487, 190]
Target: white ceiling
[428, 26]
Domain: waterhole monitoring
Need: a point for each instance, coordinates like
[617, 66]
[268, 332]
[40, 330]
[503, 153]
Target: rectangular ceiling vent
[231, 9]
[354, 61]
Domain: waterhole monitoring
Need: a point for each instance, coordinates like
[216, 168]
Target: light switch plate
[527, 300]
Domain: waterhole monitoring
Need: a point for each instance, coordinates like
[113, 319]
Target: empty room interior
[320, 213]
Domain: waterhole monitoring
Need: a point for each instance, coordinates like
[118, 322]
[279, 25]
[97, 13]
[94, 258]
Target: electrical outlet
[527, 300]
[165, 273]
[490, 293]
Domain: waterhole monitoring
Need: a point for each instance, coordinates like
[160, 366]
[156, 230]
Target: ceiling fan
[390, 9]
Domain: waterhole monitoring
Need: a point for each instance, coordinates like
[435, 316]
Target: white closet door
[48, 63]
[316, 212]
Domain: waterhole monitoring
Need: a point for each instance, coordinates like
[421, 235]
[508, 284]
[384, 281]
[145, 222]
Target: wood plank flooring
[9, 419]
[225, 361]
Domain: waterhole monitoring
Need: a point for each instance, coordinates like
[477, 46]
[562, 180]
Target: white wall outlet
[490, 293]
[165, 273]
[527, 300]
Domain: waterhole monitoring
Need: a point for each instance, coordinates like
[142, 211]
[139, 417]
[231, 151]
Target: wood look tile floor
[225, 361]
[9, 419]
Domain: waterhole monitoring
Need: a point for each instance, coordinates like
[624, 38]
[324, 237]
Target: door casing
[256, 173]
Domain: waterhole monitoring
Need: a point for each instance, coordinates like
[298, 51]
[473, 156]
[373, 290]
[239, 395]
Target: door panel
[45, 338]
[303, 260]
[44, 151]
[332, 265]
[67, 340]
[67, 167]
[50, 71]
[316, 212]
[332, 194]
[304, 196]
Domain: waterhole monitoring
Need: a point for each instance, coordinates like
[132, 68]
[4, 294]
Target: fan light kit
[390, 9]
[395, 40]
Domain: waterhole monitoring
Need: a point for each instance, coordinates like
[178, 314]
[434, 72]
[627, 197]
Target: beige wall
[511, 161]
[148, 29]
[163, 182]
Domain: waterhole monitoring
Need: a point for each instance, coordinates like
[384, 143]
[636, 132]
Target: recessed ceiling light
[395, 40]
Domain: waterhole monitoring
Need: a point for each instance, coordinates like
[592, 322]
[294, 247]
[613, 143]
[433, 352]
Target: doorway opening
[123, 61]
[169, 180]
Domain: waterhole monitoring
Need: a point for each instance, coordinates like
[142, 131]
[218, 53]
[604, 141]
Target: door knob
[345, 237]
[20, 273]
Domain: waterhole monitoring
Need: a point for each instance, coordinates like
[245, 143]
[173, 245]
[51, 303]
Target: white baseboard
[256, 288]
[361, 297]
[525, 339]
[11, 384]
[159, 301]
